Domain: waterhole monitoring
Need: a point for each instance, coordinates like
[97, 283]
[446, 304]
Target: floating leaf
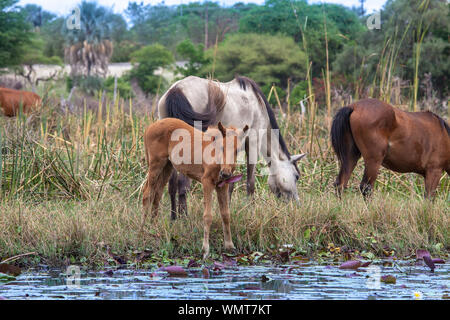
[429, 262]
[420, 253]
[388, 279]
[439, 261]
[175, 271]
[109, 273]
[352, 264]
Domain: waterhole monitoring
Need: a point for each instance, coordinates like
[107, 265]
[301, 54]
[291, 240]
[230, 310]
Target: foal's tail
[342, 139]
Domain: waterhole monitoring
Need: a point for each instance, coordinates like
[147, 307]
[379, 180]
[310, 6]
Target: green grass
[70, 185]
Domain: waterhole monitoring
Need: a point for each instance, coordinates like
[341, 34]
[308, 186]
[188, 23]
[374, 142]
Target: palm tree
[89, 49]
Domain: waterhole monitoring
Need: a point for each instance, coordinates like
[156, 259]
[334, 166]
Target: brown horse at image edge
[401, 141]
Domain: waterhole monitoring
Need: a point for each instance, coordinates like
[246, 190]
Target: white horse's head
[283, 177]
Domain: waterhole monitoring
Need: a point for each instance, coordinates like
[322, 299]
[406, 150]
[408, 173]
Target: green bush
[146, 61]
[90, 85]
[266, 59]
[124, 89]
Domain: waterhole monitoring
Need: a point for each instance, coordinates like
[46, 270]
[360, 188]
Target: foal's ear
[222, 129]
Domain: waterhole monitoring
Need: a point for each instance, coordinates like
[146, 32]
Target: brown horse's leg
[344, 173]
[161, 183]
[184, 184]
[369, 177]
[173, 186]
[222, 194]
[208, 188]
[432, 178]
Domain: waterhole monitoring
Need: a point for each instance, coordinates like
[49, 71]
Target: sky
[64, 7]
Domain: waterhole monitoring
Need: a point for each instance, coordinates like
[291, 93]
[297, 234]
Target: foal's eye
[297, 176]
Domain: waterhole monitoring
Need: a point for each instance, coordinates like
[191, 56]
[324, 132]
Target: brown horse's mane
[444, 124]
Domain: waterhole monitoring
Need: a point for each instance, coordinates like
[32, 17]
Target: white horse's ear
[298, 157]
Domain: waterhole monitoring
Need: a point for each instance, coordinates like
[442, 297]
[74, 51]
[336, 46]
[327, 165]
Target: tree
[146, 61]
[34, 54]
[14, 33]
[291, 17]
[89, 49]
[195, 56]
[266, 59]
[36, 16]
[400, 20]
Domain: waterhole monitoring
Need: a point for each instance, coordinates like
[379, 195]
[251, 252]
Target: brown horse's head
[229, 146]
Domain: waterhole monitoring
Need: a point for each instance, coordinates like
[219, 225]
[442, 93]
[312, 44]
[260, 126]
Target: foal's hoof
[230, 248]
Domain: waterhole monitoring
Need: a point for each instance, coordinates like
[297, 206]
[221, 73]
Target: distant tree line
[271, 43]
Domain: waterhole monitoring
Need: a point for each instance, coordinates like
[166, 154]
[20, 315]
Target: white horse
[245, 104]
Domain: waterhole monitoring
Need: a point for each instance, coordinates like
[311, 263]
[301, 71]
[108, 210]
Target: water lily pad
[420, 253]
[175, 271]
[352, 264]
[438, 261]
[429, 262]
[388, 279]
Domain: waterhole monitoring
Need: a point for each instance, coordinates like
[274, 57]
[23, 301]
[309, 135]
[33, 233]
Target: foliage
[14, 33]
[265, 58]
[195, 56]
[279, 16]
[146, 61]
[124, 89]
[90, 85]
[123, 51]
[400, 18]
[90, 48]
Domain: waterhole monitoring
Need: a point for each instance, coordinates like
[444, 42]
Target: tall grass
[70, 183]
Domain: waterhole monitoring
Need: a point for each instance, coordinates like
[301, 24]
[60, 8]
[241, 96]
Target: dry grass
[67, 231]
[70, 184]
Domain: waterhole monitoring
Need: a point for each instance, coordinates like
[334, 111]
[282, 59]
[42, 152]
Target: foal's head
[229, 145]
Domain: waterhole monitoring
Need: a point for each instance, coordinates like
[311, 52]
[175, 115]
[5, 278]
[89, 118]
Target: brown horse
[401, 141]
[12, 100]
[217, 149]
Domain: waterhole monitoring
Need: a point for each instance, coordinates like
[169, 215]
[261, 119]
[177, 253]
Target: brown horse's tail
[342, 139]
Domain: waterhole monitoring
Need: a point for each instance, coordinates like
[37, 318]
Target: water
[304, 281]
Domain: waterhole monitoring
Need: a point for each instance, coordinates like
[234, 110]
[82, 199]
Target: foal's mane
[243, 83]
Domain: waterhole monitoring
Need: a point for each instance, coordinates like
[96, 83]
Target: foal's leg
[222, 197]
[161, 183]
[173, 186]
[432, 177]
[208, 188]
[155, 168]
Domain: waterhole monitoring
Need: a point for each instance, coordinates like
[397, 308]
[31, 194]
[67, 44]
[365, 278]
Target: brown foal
[401, 141]
[165, 151]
